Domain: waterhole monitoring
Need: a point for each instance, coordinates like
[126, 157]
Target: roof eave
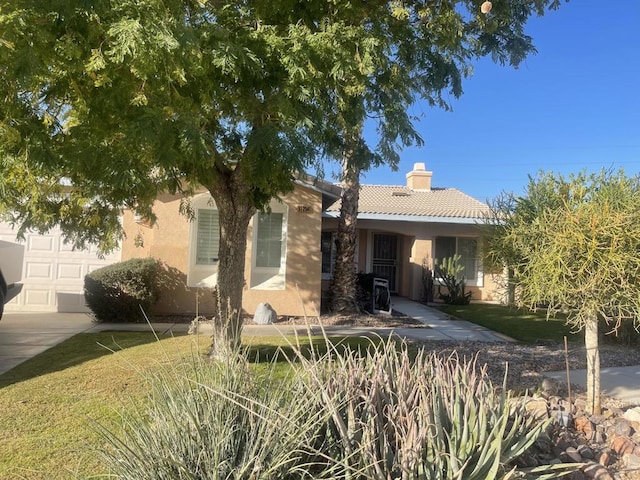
[412, 218]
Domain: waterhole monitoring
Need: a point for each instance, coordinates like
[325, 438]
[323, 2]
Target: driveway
[25, 335]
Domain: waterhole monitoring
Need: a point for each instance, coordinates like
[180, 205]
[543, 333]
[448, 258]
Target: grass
[51, 403]
[519, 324]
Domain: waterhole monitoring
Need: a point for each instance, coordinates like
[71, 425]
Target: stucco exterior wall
[304, 259]
[416, 244]
[168, 241]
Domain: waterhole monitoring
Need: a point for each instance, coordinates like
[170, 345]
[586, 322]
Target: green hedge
[116, 292]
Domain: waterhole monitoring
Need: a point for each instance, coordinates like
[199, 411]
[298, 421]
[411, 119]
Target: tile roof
[398, 200]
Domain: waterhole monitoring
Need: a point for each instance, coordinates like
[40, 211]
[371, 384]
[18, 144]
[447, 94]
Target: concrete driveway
[25, 335]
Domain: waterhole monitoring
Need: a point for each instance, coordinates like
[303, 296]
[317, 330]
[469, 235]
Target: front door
[385, 258]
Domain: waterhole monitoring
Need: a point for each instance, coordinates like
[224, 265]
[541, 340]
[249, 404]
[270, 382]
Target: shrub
[116, 293]
[215, 421]
[391, 416]
[374, 413]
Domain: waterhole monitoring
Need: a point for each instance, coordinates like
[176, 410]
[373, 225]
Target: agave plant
[394, 416]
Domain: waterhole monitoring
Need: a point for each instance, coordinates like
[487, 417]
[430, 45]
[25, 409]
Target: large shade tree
[105, 104]
[425, 50]
[573, 245]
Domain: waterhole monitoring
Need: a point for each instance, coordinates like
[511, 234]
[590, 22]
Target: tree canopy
[573, 246]
[105, 104]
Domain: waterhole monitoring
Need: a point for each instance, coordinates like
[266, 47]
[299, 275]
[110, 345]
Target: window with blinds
[269, 240]
[208, 236]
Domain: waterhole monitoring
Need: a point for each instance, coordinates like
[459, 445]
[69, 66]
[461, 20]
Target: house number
[304, 209]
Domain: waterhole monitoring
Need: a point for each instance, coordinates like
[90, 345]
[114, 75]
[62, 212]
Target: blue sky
[574, 105]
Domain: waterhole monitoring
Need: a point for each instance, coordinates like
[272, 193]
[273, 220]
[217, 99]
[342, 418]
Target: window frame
[478, 281]
[269, 278]
[200, 274]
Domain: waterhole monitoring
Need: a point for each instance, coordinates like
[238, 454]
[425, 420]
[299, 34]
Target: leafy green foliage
[118, 292]
[572, 244]
[450, 272]
[105, 105]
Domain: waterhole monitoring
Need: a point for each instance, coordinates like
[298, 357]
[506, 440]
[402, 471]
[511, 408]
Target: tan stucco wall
[168, 241]
[304, 259]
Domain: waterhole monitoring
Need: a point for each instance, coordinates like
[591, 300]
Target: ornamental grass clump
[378, 412]
[391, 416]
[213, 421]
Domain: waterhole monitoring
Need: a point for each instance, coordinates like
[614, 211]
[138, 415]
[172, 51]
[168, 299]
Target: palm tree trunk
[343, 289]
[593, 365]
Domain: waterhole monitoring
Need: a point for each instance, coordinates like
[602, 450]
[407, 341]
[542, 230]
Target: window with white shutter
[208, 236]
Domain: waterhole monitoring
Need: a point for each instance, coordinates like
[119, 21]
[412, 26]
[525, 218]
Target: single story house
[290, 250]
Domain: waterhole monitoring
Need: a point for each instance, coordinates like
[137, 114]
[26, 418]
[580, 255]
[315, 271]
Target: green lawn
[51, 403]
[520, 324]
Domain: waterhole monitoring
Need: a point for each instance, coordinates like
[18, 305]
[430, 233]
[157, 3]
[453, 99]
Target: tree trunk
[235, 208]
[343, 288]
[593, 365]
[511, 287]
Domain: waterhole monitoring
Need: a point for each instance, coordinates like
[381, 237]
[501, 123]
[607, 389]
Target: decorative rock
[596, 471]
[605, 459]
[631, 461]
[265, 314]
[573, 455]
[599, 436]
[585, 425]
[622, 445]
[586, 452]
[549, 387]
[537, 407]
[623, 427]
[633, 414]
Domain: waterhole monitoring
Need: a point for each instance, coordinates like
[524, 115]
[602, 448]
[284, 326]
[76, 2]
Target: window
[328, 249]
[269, 248]
[204, 243]
[269, 240]
[467, 248]
[208, 236]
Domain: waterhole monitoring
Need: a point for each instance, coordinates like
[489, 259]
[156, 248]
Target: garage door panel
[37, 270]
[40, 243]
[53, 273]
[38, 297]
[70, 301]
[70, 272]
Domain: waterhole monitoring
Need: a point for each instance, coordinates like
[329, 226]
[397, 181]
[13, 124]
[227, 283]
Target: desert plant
[450, 272]
[373, 413]
[427, 281]
[213, 421]
[116, 293]
[392, 416]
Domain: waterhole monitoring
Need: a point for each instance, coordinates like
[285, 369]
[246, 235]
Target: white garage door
[52, 273]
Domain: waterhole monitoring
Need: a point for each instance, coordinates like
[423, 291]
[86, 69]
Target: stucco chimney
[419, 178]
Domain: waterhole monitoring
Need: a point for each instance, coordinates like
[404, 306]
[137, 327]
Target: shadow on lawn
[264, 353]
[78, 349]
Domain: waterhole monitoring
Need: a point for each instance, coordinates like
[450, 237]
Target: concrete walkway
[622, 383]
[24, 335]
